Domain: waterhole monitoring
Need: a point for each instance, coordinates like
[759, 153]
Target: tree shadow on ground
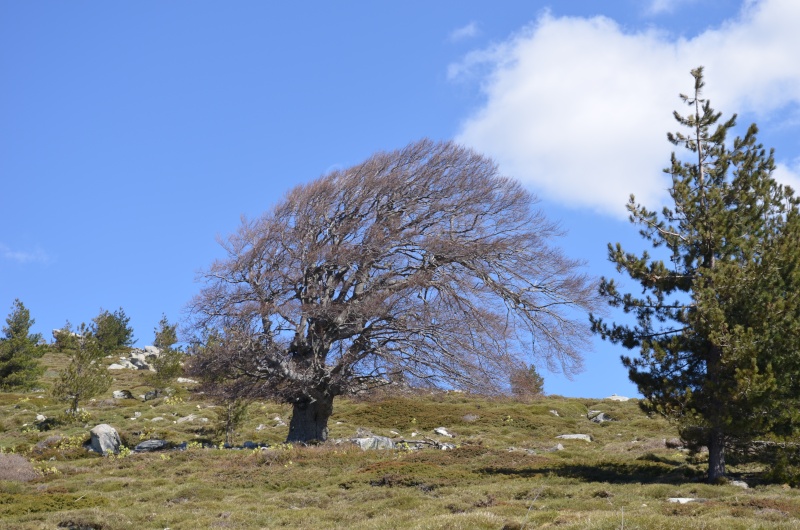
[640, 472]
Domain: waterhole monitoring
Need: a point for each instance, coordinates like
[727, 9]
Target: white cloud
[465, 32]
[21, 256]
[789, 174]
[578, 108]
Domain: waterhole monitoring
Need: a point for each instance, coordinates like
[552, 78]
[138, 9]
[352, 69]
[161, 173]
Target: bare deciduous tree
[421, 265]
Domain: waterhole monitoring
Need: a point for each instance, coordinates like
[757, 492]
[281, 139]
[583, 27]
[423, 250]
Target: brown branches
[422, 261]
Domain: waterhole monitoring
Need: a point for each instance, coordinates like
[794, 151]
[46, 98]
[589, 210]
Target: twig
[525, 521]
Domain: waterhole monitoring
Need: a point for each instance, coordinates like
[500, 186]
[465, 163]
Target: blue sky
[132, 134]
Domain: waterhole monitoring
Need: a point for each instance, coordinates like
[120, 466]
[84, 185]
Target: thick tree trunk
[716, 456]
[310, 421]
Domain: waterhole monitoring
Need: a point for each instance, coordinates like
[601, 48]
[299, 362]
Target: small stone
[739, 484]
[186, 380]
[441, 431]
[681, 500]
[584, 437]
[597, 416]
[555, 413]
[614, 397]
[122, 394]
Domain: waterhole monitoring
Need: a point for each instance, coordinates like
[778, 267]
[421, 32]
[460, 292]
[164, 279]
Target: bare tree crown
[422, 264]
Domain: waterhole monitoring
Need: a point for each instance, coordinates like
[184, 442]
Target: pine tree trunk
[310, 421]
[716, 456]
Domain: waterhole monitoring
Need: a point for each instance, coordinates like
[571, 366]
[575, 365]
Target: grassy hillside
[503, 473]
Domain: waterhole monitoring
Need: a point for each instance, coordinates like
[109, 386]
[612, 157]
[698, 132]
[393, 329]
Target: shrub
[527, 383]
[16, 467]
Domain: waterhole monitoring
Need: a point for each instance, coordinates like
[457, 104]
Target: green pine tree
[717, 323]
[19, 351]
[169, 363]
[112, 330]
[86, 376]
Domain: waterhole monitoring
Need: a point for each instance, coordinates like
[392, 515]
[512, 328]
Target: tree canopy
[718, 319]
[113, 330]
[19, 351]
[86, 376]
[421, 265]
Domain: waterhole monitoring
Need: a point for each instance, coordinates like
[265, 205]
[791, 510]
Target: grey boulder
[374, 442]
[151, 445]
[105, 439]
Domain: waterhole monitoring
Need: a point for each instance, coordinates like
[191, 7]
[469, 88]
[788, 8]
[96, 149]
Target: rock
[190, 417]
[250, 445]
[374, 442]
[441, 431]
[115, 366]
[157, 418]
[151, 445]
[152, 350]
[614, 397]
[447, 447]
[122, 394]
[584, 437]
[260, 427]
[153, 394]
[105, 439]
[186, 380]
[739, 484]
[673, 443]
[141, 364]
[555, 413]
[598, 417]
[682, 500]
[40, 418]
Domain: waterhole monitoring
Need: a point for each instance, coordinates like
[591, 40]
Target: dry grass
[503, 473]
[16, 468]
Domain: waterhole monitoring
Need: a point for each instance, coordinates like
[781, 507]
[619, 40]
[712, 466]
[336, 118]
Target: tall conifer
[718, 321]
[19, 351]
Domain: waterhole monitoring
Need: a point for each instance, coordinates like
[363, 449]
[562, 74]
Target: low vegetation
[504, 472]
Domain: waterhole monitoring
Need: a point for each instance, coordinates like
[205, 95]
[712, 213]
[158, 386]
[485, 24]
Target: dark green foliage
[718, 322]
[166, 334]
[230, 416]
[527, 383]
[65, 338]
[169, 363]
[19, 351]
[86, 376]
[112, 330]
